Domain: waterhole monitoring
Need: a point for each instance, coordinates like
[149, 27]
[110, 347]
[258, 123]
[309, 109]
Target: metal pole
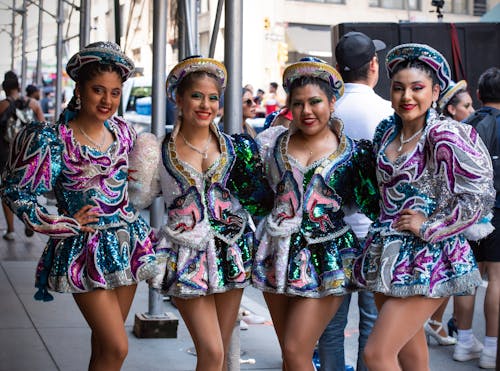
[84, 23]
[38, 71]
[215, 31]
[59, 52]
[118, 32]
[13, 35]
[24, 62]
[181, 28]
[233, 59]
[158, 118]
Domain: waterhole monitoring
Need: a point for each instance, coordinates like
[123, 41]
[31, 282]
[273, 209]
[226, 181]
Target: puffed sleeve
[247, 179]
[266, 142]
[144, 179]
[461, 159]
[33, 168]
[364, 180]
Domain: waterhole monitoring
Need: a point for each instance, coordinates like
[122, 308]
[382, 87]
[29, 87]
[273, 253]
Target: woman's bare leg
[105, 311]
[397, 336]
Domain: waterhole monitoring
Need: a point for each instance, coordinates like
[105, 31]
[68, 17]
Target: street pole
[215, 31]
[59, 52]
[84, 23]
[24, 40]
[39, 79]
[233, 59]
[13, 35]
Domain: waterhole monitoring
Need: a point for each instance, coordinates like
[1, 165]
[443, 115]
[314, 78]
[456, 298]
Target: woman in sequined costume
[435, 181]
[211, 183]
[304, 258]
[99, 247]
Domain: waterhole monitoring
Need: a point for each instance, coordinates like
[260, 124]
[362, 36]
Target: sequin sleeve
[144, 180]
[33, 168]
[247, 179]
[459, 158]
[366, 194]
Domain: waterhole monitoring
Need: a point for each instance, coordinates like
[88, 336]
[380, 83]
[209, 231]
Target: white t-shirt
[361, 110]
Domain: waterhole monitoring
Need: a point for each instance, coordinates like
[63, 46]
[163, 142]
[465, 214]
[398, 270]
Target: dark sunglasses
[248, 102]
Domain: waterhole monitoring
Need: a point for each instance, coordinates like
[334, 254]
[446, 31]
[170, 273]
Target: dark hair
[244, 90]
[274, 85]
[419, 65]
[30, 89]
[358, 74]
[489, 85]
[91, 70]
[310, 80]
[193, 76]
[10, 75]
[453, 102]
[260, 91]
[9, 85]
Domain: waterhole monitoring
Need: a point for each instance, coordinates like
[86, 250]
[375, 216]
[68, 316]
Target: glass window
[396, 4]
[456, 6]
[322, 1]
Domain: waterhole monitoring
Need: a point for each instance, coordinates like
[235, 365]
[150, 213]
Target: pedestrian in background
[211, 183]
[304, 258]
[99, 246]
[361, 109]
[486, 120]
[249, 112]
[435, 180]
[456, 102]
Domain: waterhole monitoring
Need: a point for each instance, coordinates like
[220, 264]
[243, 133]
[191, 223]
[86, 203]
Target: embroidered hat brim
[450, 92]
[192, 64]
[423, 53]
[105, 52]
[321, 70]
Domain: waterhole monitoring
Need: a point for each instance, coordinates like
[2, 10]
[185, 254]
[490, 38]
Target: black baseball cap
[355, 49]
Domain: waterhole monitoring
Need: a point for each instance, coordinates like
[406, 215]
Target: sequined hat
[314, 67]
[423, 53]
[192, 64]
[450, 92]
[105, 52]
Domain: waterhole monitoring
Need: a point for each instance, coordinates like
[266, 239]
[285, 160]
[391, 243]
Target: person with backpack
[11, 107]
[486, 121]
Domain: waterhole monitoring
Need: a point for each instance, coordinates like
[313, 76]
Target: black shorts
[488, 249]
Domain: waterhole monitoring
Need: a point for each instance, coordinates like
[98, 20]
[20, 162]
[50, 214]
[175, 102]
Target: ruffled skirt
[404, 265]
[109, 258]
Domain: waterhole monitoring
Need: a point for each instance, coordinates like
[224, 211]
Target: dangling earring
[78, 103]
[434, 104]
[332, 119]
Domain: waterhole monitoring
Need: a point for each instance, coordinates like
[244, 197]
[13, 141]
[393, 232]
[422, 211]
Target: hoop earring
[78, 103]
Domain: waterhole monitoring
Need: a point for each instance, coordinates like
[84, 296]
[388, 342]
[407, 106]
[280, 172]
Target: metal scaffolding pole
[215, 31]
[38, 71]
[13, 35]
[24, 40]
[158, 117]
[233, 60]
[59, 53]
[190, 26]
[84, 23]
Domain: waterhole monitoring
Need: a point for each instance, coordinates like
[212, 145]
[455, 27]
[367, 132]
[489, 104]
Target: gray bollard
[233, 356]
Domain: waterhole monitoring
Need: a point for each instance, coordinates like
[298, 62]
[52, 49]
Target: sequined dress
[305, 247]
[47, 157]
[447, 177]
[208, 239]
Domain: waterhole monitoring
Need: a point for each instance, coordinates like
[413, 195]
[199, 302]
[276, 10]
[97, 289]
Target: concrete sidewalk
[54, 336]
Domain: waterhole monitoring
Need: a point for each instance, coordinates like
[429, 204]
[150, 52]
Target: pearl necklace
[99, 146]
[203, 152]
[405, 141]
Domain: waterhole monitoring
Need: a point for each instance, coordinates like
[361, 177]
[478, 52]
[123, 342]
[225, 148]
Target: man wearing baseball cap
[361, 109]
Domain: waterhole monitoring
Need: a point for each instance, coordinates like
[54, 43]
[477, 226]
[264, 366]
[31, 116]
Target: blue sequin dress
[305, 247]
[448, 178]
[46, 157]
[207, 241]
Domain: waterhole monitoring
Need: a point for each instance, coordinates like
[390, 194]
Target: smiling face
[310, 108]
[249, 106]
[412, 94]
[100, 96]
[199, 102]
